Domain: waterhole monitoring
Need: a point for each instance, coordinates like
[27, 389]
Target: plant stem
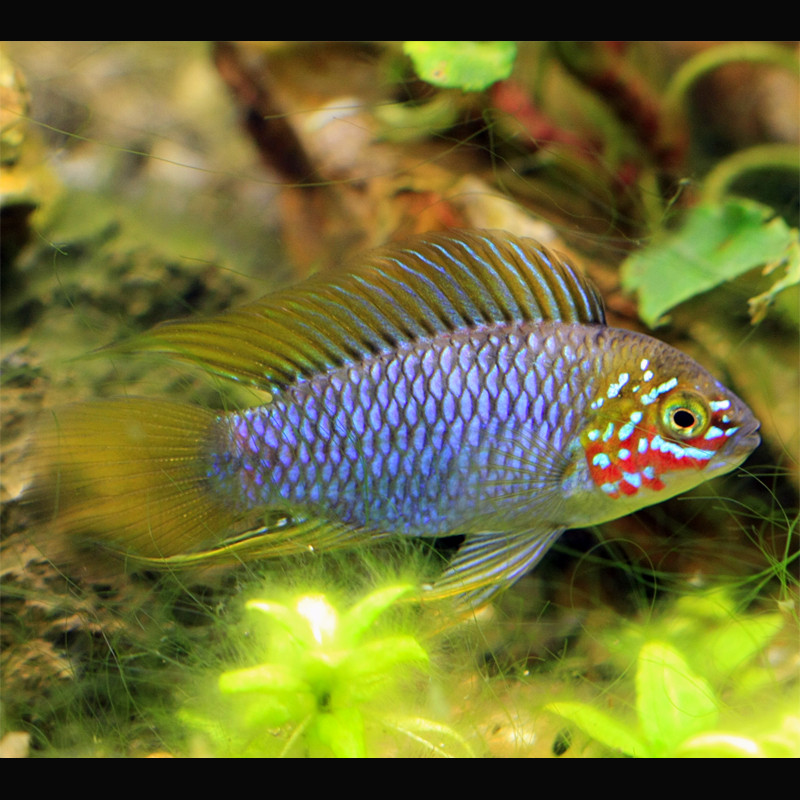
[764, 156]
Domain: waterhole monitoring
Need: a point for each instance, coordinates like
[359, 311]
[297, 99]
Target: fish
[460, 383]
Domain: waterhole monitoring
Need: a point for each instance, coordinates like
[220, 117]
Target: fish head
[658, 425]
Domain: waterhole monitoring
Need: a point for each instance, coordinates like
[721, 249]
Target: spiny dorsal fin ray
[391, 296]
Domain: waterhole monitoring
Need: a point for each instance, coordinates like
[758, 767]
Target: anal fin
[266, 541]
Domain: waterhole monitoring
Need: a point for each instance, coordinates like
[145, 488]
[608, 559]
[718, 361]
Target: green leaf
[366, 667]
[266, 711]
[673, 702]
[342, 730]
[406, 122]
[601, 727]
[719, 744]
[739, 642]
[288, 619]
[364, 613]
[715, 243]
[263, 678]
[471, 66]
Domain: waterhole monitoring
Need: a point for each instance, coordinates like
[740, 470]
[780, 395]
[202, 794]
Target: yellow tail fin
[130, 473]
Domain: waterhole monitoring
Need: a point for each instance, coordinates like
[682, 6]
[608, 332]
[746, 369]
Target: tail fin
[130, 473]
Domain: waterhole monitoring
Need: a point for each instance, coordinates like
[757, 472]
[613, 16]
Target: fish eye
[684, 414]
[683, 418]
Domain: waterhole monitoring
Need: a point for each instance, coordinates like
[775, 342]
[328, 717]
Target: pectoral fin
[488, 563]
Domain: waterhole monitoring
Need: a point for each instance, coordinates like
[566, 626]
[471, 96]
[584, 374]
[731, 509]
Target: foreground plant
[326, 683]
[679, 711]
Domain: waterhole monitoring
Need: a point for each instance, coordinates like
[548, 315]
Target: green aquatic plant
[325, 684]
[721, 235]
[469, 66]
[716, 242]
[681, 711]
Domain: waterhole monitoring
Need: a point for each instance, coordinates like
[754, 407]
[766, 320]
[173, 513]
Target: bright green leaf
[265, 711]
[601, 727]
[287, 618]
[715, 243]
[737, 643]
[720, 745]
[706, 608]
[263, 678]
[673, 702]
[321, 617]
[342, 730]
[360, 617]
[471, 66]
[371, 663]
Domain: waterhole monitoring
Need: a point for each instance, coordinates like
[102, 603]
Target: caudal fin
[130, 473]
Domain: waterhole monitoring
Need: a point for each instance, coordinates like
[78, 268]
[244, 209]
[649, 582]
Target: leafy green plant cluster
[715, 242]
[700, 237]
[688, 709]
[326, 682]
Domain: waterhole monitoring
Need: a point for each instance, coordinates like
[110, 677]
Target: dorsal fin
[391, 296]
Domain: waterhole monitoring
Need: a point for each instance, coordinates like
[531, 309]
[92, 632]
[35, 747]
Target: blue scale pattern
[442, 436]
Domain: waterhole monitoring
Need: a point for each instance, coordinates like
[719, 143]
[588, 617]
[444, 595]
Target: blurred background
[143, 181]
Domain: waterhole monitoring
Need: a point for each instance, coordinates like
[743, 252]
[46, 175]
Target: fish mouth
[743, 444]
[752, 436]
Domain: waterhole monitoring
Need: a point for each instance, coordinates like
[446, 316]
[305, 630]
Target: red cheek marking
[654, 483]
[618, 476]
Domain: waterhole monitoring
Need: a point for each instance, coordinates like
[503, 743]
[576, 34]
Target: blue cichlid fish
[462, 383]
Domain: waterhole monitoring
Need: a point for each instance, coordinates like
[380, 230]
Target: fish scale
[425, 441]
[460, 383]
